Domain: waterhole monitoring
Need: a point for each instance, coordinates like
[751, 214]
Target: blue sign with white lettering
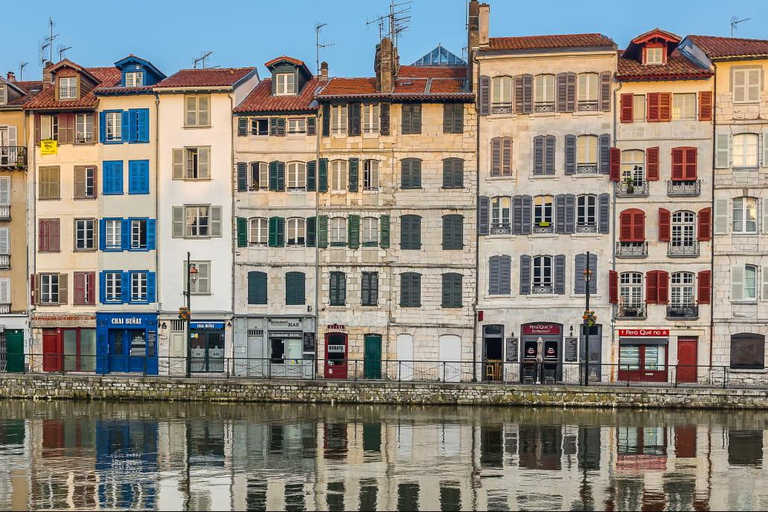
[206, 325]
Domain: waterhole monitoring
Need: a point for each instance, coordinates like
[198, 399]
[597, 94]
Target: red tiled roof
[261, 100]
[724, 47]
[552, 41]
[286, 58]
[351, 87]
[423, 89]
[677, 66]
[447, 87]
[107, 77]
[30, 89]
[211, 77]
[432, 72]
[656, 32]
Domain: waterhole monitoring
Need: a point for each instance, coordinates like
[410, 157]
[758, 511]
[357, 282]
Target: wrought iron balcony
[636, 311]
[5, 309]
[543, 228]
[631, 249]
[544, 106]
[542, 289]
[13, 157]
[586, 168]
[680, 249]
[500, 229]
[683, 311]
[501, 108]
[5, 212]
[626, 189]
[586, 228]
[5, 261]
[588, 106]
[684, 188]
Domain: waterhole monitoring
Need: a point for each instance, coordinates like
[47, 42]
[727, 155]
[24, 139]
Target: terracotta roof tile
[212, 77]
[261, 100]
[351, 87]
[107, 77]
[677, 66]
[447, 86]
[411, 86]
[432, 72]
[420, 89]
[724, 47]
[286, 58]
[550, 41]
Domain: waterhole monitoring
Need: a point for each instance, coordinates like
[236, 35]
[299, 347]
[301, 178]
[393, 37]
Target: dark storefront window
[748, 351]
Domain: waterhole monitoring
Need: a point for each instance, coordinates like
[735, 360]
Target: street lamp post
[191, 279]
[586, 327]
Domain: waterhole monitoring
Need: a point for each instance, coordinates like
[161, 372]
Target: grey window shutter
[311, 231]
[273, 126]
[570, 214]
[605, 153]
[322, 175]
[311, 126]
[354, 119]
[365, 289]
[483, 215]
[447, 118]
[519, 94]
[525, 275]
[405, 173]
[416, 289]
[384, 117]
[416, 120]
[604, 206]
[311, 176]
[333, 292]
[326, 120]
[447, 294]
[374, 285]
[215, 220]
[496, 156]
[342, 288]
[538, 155]
[178, 222]
[517, 215]
[242, 126]
[528, 94]
[405, 292]
[354, 171]
[506, 156]
[322, 231]
[458, 118]
[595, 273]
[281, 127]
[570, 154]
[605, 91]
[560, 213]
[560, 274]
[494, 275]
[527, 211]
[407, 114]
[562, 91]
[416, 232]
[549, 155]
[505, 278]
[485, 95]
[416, 171]
[578, 273]
[242, 176]
[570, 102]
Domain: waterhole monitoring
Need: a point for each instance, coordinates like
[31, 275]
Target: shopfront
[542, 359]
[127, 343]
[207, 347]
[336, 350]
[643, 355]
[274, 347]
[11, 350]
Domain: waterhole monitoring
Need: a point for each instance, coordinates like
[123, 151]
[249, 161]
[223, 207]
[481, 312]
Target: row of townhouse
[445, 211]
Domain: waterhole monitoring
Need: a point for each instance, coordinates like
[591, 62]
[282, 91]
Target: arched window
[339, 175]
[633, 167]
[297, 176]
[501, 215]
[371, 175]
[744, 150]
[543, 214]
[338, 232]
[544, 93]
[295, 230]
[588, 87]
[682, 289]
[502, 92]
[683, 230]
[543, 275]
[258, 232]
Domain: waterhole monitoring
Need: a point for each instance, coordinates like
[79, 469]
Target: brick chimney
[47, 75]
[386, 65]
[11, 77]
[477, 34]
[484, 25]
[323, 71]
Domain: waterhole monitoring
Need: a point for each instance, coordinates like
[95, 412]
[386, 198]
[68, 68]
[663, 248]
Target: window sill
[192, 179]
[588, 113]
[594, 234]
[113, 141]
[49, 199]
[112, 194]
[86, 143]
[194, 127]
[544, 176]
[85, 250]
[745, 102]
[588, 175]
[84, 198]
[741, 233]
[748, 370]
[744, 302]
[745, 169]
[296, 190]
[255, 246]
[501, 178]
[295, 246]
[542, 295]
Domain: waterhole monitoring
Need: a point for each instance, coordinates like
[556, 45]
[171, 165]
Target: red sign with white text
[653, 333]
[541, 329]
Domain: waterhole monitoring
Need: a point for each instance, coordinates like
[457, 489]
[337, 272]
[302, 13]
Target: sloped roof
[46, 99]
[549, 42]
[261, 99]
[207, 77]
[440, 57]
[730, 47]
[416, 89]
[432, 72]
[27, 89]
[676, 67]
[656, 33]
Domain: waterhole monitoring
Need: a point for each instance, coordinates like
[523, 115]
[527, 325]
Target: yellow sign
[48, 147]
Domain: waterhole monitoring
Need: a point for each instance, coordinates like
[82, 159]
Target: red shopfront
[643, 355]
[336, 350]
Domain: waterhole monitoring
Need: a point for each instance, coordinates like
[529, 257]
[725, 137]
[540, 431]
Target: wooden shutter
[406, 122]
[458, 118]
[505, 276]
[722, 150]
[570, 103]
[5, 189]
[613, 287]
[678, 161]
[705, 224]
[322, 175]
[353, 120]
[39, 129]
[216, 221]
[448, 118]
[538, 155]
[663, 287]
[549, 155]
[483, 215]
[242, 232]
[311, 126]
[5, 241]
[665, 230]
[580, 266]
[66, 128]
[605, 91]
[638, 226]
[79, 288]
[690, 171]
[384, 231]
[496, 156]
[737, 282]
[517, 215]
[484, 98]
[625, 226]
[562, 90]
[652, 287]
[527, 94]
[273, 180]
[322, 231]
[54, 235]
[257, 287]
[384, 115]
[178, 164]
[560, 274]
[494, 275]
[416, 119]
[570, 154]
[604, 213]
[665, 106]
[63, 288]
[570, 214]
[519, 95]
[705, 287]
[242, 177]
[311, 231]
[527, 212]
[705, 105]
[653, 111]
[614, 164]
[506, 156]
[242, 126]
[178, 222]
[79, 182]
[652, 163]
[560, 213]
[525, 274]
[721, 216]
[326, 120]
[354, 171]
[353, 239]
[604, 157]
[311, 176]
[627, 104]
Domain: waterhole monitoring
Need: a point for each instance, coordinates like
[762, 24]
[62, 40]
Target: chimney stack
[483, 25]
[477, 35]
[386, 65]
[11, 76]
[47, 75]
[324, 71]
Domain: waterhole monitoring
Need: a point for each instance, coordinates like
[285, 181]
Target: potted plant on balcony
[544, 224]
[630, 185]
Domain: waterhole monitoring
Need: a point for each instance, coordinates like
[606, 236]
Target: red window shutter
[652, 162]
[625, 226]
[662, 287]
[665, 231]
[665, 106]
[705, 105]
[627, 115]
[615, 164]
[651, 287]
[613, 286]
[638, 226]
[705, 224]
[66, 128]
[91, 288]
[53, 237]
[678, 162]
[689, 168]
[653, 107]
[79, 298]
[42, 236]
[32, 297]
[705, 286]
[38, 129]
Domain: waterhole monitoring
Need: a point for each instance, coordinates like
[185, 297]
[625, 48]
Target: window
[85, 238]
[410, 290]
[3, 94]
[410, 232]
[744, 283]
[453, 232]
[285, 84]
[453, 118]
[339, 119]
[85, 284]
[748, 351]
[113, 233]
[654, 55]
[191, 163]
[633, 167]
[638, 108]
[203, 284]
[134, 79]
[114, 126]
[370, 289]
[138, 234]
[683, 229]
[371, 117]
[543, 215]
[295, 285]
[745, 215]
[259, 177]
[49, 183]
[453, 173]
[499, 275]
[338, 232]
[260, 126]
[49, 127]
[744, 151]
[197, 221]
[197, 110]
[682, 289]
[339, 175]
[588, 88]
[259, 231]
[68, 88]
[684, 106]
[49, 288]
[5, 190]
[746, 85]
[501, 97]
[297, 176]
[49, 235]
[370, 232]
[113, 287]
[544, 92]
[5, 244]
[411, 119]
[85, 182]
[139, 287]
[586, 150]
[338, 290]
[297, 125]
[542, 275]
[200, 221]
[410, 173]
[631, 289]
[452, 290]
[296, 231]
[83, 128]
[586, 212]
[501, 214]
[371, 175]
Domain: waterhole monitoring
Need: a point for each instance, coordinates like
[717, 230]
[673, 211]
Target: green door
[15, 343]
[372, 362]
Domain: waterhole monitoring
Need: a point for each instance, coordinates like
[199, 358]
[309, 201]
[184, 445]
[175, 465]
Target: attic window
[134, 79]
[285, 84]
[3, 95]
[68, 88]
[654, 55]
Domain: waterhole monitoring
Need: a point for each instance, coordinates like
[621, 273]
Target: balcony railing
[586, 168]
[542, 289]
[679, 249]
[13, 157]
[544, 106]
[684, 188]
[501, 108]
[500, 229]
[543, 227]
[5, 261]
[632, 249]
[624, 189]
[637, 311]
[5, 212]
[683, 311]
[586, 228]
[588, 106]
[5, 309]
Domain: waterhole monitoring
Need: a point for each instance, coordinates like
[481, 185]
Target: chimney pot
[324, 71]
[11, 76]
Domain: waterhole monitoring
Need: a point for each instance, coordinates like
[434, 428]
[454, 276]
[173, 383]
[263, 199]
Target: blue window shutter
[127, 133]
[133, 177]
[143, 128]
[151, 234]
[102, 287]
[102, 234]
[102, 127]
[118, 177]
[151, 287]
[106, 181]
[125, 287]
[138, 177]
[125, 235]
[144, 176]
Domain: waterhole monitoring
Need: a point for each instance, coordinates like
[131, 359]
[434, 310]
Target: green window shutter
[280, 176]
[295, 285]
[242, 176]
[311, 231]
[273, 231]
[257, 287]
[322, 175]
[453, 232]
[311, 126]
[311, 174]
[354, 171]
[384, 232]
[338, 289]
[242, 232]
[273, 126]
[326, 120]
[273, 176]
[280, 231]
[322, 231]
[354, 231]
[410, 232]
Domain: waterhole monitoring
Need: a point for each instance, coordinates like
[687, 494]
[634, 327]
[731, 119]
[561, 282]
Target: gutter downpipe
[615, 224]
[157, 209]
[318, 140]
[712, 209]
[477, 231]
[233, 241]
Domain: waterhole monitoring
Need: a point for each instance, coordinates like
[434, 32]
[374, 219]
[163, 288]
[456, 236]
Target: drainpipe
[615, 224]
[233, 241]
[32, 230]
[157, 209]
[713, 238]
[477, 237]
[318, 139]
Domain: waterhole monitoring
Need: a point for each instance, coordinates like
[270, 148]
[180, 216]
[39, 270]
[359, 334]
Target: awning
[641, 340]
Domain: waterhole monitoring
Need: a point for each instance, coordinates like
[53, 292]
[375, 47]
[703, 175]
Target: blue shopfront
[126, 343]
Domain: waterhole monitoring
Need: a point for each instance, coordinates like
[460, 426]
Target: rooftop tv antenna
[396, 22]
[22, 65]
[47, 43]
[318, 45]
[735, 23]
[63, 49]
[201, 59]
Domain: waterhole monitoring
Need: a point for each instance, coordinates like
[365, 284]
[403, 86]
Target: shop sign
[125, 321]
[206, 325]
[653, 333]
[288, 323]
[335, 327]
[336, 348]
[546, 329]
[48, 147]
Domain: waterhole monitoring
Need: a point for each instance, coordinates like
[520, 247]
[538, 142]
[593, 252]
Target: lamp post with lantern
[589, 320]
[192, 273]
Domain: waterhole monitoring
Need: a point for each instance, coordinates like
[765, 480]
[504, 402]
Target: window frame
[284, 86]
[140, 280]
[682, 289]
[749, 141]
[72, 85]
[638, 108]
[370, 171]
[136, 78]
[500, 93]
[631, 289]
[683, 228]
[588, 88]
[262, 170]
[587, 144]
[587, 207]
[544, 90]
[501, 216]
[370, 230]
[544, 210]
[338, 231]
[296, 126]
[299, 226]
[685, 111]
[746, 87]
[339, 119]
[53, 297]
[256, 124]
[371, 113]
[113, 129]
[658, 55]
[542, 265]
[84, 135]
[113, 229]
[638, 174]
[197, 219]
[339, 175]
[262, 231]
[197, 112]
[743, 217]
[139, 227]
[84, 230]
[113, 287]
[296, 176]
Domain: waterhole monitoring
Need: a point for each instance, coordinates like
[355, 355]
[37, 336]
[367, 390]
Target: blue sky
[246, 33]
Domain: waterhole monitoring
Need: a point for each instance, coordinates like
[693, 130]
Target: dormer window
[285, 84]
[134, 79]
[68, 88]
[3, 95]
[654, 55]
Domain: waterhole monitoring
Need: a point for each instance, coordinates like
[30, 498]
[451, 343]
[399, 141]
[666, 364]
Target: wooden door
[52, 357]
[372, 362]
[687, 356]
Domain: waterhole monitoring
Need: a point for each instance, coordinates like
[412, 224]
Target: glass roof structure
[440, 57]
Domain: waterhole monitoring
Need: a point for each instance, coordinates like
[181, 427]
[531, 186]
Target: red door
[52, 353]
[335, 356]
[686, 359]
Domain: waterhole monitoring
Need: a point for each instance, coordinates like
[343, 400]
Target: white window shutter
[764, 295]
[722, 150]
[5, 290]
[737, 282]
[765, 214]
[12, 137]
[203, 163]
[721, 216]
[5, 190]
[178, 164]
[5, 240]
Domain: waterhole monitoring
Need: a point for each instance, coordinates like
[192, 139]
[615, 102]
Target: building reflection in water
[206, 457]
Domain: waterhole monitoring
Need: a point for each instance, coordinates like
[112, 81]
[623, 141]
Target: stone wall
[213, 390]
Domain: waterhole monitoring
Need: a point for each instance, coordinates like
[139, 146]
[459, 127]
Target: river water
[172, 456]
